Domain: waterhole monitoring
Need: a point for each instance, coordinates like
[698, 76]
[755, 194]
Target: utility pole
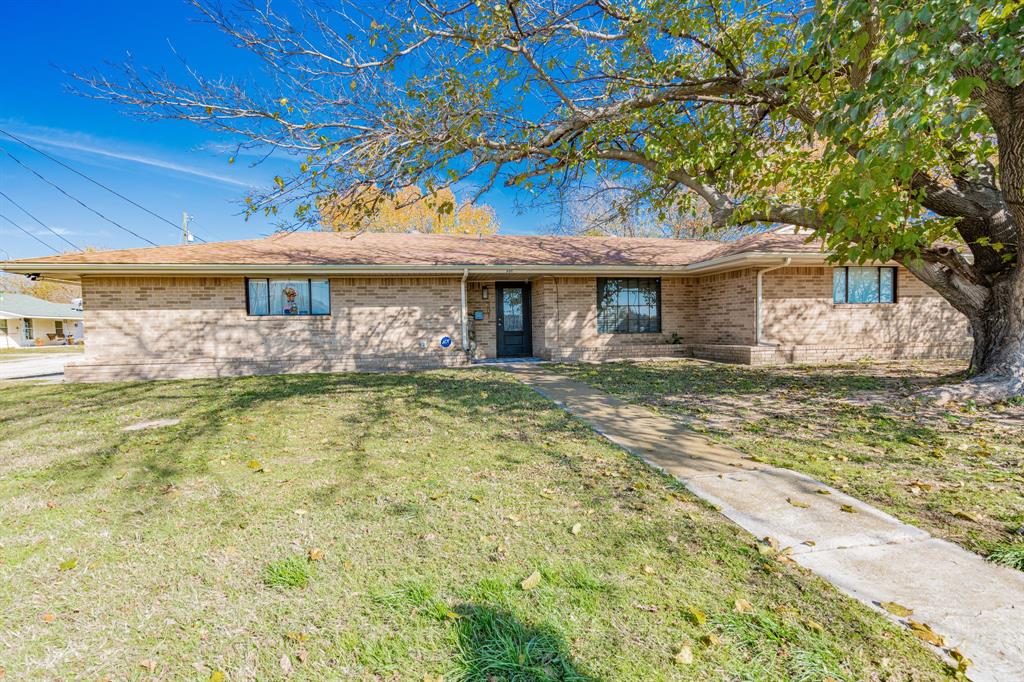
[186, 236]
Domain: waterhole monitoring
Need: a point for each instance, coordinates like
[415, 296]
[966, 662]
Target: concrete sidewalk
[976, 606]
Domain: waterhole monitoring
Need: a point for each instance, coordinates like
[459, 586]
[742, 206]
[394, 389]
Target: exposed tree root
[985, 389]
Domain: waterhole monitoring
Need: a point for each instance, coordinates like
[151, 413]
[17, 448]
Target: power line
[93, 180]
[28, 233]
[78, 201]
[44, 225]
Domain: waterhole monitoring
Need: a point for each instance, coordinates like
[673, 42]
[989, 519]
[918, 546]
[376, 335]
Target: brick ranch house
[324, 302]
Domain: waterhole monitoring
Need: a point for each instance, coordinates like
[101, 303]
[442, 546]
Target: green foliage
[916, 111]
[1008, 554]
[292, 571]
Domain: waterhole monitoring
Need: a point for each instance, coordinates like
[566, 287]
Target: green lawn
[382, 527]
[957, 472]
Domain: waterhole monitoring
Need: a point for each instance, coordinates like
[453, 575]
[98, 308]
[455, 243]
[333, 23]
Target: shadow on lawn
[205, 408]
[494, 645]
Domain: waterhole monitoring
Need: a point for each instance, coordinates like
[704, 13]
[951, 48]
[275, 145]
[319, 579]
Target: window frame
[602, 283]
[878, 274]
[58, 332]
[309, 291]
[27, 330]
[4, 327]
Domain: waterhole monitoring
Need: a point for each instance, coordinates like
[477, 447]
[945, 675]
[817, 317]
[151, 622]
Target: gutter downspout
[759, 304]
[463, 315]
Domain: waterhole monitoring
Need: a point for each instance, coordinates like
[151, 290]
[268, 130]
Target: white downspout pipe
[464, 315]
[759, 305]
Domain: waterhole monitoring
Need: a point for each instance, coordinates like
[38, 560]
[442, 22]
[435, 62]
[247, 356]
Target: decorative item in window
[291, 297]
[290, 307]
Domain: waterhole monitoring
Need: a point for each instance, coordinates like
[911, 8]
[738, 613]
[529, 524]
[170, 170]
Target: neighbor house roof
[13, 306]
[327, 251]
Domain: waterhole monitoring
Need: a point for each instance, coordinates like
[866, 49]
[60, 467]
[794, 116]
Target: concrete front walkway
[976, 606]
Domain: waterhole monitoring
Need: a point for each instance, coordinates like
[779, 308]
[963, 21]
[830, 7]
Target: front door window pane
[512, 305]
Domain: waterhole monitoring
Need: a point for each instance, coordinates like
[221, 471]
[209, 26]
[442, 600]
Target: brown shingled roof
[399, 249]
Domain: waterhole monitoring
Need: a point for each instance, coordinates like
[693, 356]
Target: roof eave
[76, 270]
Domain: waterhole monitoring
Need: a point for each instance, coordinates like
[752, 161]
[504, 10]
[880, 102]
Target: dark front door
[513, 319]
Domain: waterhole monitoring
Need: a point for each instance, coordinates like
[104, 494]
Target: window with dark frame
[287, 297]
[863, 284]
[629, 305]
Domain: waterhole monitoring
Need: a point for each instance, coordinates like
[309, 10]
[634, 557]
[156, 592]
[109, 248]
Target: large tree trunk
[996, 316]
[997, 361]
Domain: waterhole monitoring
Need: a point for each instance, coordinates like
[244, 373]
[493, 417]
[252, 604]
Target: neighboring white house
[29, 321]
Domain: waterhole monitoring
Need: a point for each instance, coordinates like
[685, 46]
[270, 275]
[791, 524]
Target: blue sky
[166, 166]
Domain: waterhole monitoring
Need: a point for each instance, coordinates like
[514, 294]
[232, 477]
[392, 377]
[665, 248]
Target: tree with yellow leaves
[368, 208]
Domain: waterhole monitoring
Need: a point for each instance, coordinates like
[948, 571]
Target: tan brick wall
[798, 311]
[574, 319]
[374, 322]
[722, 308]
[198, 326]
[484, 333]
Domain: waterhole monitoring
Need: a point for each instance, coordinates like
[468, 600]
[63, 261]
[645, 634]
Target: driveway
[47, 366]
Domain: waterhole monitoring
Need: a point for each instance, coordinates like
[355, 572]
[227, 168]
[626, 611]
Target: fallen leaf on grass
[896, 609]
[300, 512]
[925, 633]
[742, 606]
[49, 617]
[684, 656]
[576, 528]
[814, 625]
[649, 570]
[302, 655]
[68, 564]
[848, 509]
[696, 615]
[711, 639]
[315, 554]
[148, 663]
[216, 676]
[255, 465]
[822, 491]
[296, 636]
[286, 664]
[531, 581]
[50, 504]
[966, 516]
[797, 503]
[962, 662]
